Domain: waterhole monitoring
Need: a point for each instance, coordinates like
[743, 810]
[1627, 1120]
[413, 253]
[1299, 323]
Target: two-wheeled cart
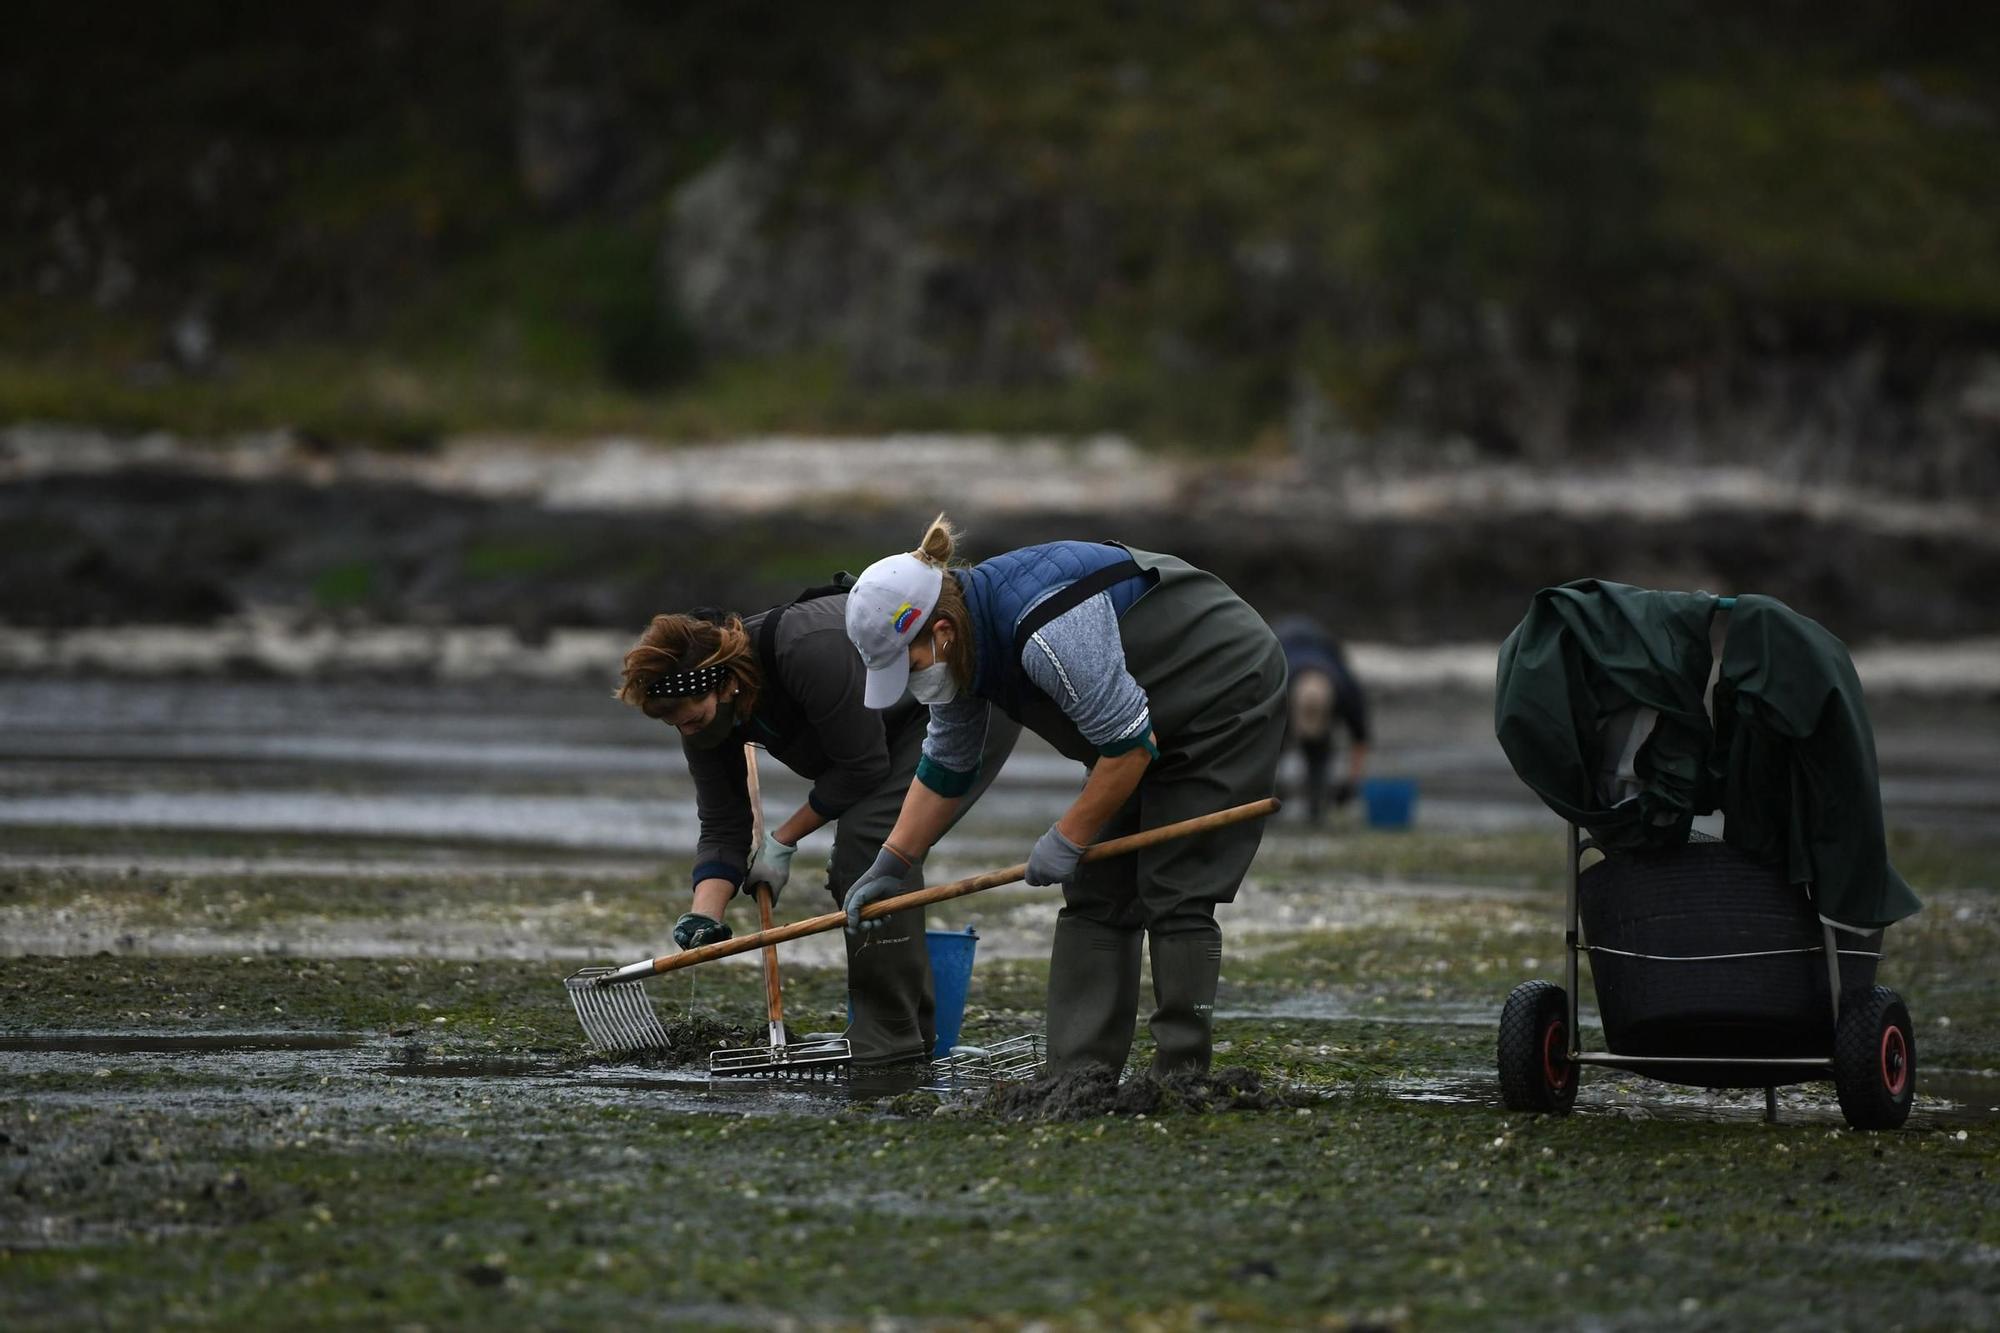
[1723, 964]
[1710, 970]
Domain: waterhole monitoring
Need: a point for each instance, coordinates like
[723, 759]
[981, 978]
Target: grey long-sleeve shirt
[833, 738]
[1078, 660]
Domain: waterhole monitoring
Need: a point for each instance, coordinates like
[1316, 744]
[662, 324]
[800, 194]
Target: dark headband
[684, 684]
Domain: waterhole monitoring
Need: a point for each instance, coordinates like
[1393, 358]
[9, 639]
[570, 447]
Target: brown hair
[939, 546]
[684, 643]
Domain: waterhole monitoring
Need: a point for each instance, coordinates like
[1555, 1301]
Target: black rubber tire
[1536, 1073]
[1875, 1059]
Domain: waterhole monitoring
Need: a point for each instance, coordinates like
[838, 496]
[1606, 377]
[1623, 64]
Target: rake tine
[605, 1032]
[611, 1028]
[610, 1031]
[616, 1036]
[624, 1031]
[581, 1000]
[659, 1031]
[645, 1024]
[631, 1031]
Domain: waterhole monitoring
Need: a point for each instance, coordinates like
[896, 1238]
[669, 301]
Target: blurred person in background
[787, 680]
[1323, 689]
[1163, 683]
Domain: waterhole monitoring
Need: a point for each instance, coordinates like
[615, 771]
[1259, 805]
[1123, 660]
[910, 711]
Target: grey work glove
[772, 865]
[694, 930]
[881, 880]
[1054, 859]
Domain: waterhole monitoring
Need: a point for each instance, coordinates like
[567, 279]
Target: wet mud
[387, 1081]
[1945, 1099]
[691, 1039]
[504, 1176]
[91, 1043]
[404, 1139]
[1088, 1093]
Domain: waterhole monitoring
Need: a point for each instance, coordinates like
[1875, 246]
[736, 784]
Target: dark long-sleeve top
[1309, 647]
[827, 735]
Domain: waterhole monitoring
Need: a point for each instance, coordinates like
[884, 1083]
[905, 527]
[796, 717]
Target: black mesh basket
[1688, 910]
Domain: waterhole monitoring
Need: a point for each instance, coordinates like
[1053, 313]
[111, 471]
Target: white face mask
[933, 684]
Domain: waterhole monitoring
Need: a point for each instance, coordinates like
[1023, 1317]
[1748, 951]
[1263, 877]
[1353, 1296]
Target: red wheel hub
[1556, 1068]
[1895, 1061]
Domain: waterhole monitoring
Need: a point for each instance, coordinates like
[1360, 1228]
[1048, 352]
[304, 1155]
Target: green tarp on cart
[1603, 680]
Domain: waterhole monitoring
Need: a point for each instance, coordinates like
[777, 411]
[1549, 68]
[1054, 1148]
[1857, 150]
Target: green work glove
[882, 880]
[772, 865]
[694, 930]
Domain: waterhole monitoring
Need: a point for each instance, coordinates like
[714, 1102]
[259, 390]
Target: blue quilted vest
[1000, 591]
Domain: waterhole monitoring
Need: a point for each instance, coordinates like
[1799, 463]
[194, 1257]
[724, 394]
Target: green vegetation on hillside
[385, 224]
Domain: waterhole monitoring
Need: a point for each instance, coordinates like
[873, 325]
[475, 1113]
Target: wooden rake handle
[814, 925]
[774, 1004]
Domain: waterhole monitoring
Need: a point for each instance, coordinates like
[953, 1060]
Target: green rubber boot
[889, 992]
[1093, 995]
[1186, 968]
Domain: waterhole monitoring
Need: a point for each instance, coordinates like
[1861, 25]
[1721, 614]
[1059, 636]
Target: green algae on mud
[1088, 1093]
[1524, 860]
[1359, 1207]
[141, 844]
[1532, 859]
[498, 1004]
[317, 1189]
[587, 906]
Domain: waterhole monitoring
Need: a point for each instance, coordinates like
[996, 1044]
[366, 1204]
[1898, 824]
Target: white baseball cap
[886, 608]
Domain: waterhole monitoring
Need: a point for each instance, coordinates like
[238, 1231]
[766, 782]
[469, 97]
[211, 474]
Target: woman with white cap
[786, 680]
[1152, 673]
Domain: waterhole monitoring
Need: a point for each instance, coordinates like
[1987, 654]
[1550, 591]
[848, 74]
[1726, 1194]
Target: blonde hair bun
[940, 543]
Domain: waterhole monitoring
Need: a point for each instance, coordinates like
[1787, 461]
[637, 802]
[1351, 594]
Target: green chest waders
[1214, 677]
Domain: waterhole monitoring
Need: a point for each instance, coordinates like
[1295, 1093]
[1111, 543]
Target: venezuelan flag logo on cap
[905, 614]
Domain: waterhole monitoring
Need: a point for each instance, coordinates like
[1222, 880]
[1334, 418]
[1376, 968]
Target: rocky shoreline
[537, 542]
[271, 646]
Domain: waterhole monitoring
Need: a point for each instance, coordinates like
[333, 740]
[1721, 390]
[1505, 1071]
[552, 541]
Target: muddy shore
[333, 1143]
[322, 1072]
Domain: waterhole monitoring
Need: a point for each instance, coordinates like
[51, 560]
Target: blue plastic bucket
[1390, 802]
[951, 977]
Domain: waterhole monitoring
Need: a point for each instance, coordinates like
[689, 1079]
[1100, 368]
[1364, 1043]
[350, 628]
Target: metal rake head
[826, 1058]
[979, 1067]
[615, 1017]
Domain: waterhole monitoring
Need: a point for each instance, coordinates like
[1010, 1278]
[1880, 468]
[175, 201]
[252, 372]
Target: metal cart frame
[1872, 1065]
[1573, 944]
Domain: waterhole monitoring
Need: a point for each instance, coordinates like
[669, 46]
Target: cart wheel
[1536, 1073]
[1875, 1059]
